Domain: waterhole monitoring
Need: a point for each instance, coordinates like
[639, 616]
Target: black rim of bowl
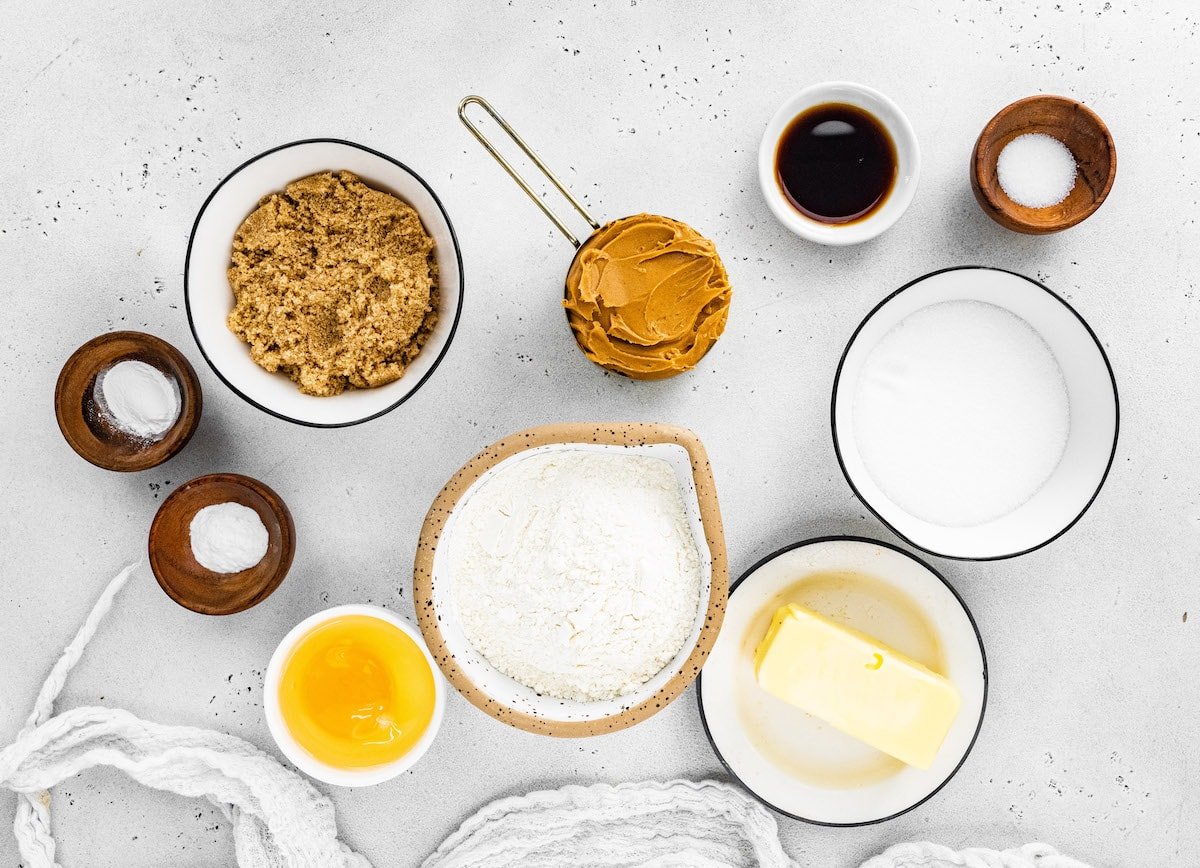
[982, 708]
[187, 301]
[1112, 454]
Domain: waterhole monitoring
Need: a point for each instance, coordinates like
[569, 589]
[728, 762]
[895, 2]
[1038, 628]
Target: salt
[1036, 170]
[138, 398]
[961, 413]
[228, 538]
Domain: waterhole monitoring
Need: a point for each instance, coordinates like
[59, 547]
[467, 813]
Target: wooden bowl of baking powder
[89, 431]
[505, 698]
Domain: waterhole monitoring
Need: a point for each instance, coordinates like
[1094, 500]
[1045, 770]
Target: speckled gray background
[117, 118]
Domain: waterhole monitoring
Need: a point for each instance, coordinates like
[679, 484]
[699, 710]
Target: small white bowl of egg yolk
[352, 696]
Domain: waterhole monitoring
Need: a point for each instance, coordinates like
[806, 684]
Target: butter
[856, 684]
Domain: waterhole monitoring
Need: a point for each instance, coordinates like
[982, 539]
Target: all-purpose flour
[576, 572]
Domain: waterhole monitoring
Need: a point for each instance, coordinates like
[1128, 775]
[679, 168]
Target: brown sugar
[334, 284]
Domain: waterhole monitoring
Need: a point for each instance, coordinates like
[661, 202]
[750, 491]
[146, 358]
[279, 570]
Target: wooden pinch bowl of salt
[1074, 125]
[174, 562]
[92, 431]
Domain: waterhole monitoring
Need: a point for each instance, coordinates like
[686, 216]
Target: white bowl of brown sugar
[323, 282]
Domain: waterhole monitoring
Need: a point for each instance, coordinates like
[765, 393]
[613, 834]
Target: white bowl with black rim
[1091, 389]
[209, 298]
[795, 763]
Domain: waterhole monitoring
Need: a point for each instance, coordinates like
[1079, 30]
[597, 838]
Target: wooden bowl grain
[85, 428]
[201, 590]
[1073, 124]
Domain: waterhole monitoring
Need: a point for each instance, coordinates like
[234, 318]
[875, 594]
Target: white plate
[508, 691]
[795, 763]
[1091, 389]
[209, 298]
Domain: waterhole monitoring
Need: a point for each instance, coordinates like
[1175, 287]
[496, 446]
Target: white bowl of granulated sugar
[975, 413]
[571, 579]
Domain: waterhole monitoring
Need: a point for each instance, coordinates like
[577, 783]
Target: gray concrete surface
[119, 117]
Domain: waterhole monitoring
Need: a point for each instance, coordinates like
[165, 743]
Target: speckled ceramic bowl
[501, 696]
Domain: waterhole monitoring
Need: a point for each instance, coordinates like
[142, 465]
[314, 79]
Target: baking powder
[576, 572]
[138, 398]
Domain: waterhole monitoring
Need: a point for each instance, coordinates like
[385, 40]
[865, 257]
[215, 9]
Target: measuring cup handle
[514, 174]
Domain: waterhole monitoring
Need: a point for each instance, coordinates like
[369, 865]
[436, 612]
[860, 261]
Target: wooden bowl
[503, 698]
[201, 590]
[86, 429]
[1073, 124]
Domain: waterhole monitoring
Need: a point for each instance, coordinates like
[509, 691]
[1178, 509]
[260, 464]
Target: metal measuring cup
[605, 337]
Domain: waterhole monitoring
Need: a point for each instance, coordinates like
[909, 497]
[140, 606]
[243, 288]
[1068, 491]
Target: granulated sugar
[961, 413]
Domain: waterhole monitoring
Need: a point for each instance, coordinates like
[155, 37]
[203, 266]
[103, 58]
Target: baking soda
[961, 413]
[1036, 170]
[228, 538]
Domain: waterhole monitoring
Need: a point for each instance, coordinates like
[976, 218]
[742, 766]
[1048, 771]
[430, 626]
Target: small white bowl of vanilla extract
[839, 163]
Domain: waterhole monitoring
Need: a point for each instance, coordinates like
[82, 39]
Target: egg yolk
[356, 692]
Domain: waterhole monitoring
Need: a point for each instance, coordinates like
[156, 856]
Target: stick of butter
[856, 684]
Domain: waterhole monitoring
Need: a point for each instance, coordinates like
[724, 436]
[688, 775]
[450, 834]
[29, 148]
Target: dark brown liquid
[836, 163]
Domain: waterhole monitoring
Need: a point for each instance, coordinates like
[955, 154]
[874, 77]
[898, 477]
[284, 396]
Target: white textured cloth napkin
[279, 819]
[927, 855]
[680, 824]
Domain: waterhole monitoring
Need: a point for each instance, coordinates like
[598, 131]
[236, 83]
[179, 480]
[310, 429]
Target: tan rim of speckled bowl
[616, 434]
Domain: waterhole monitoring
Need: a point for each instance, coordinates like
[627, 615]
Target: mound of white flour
[576, 572]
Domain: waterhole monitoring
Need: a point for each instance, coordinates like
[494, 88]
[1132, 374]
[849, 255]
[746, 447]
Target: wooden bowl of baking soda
[127, 401]
[221, 543]
[1043, 164]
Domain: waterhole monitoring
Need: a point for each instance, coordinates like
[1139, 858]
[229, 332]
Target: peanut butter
[647, 297]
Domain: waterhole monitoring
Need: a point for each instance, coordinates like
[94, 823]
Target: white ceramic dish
[520, 698]
[302, 759]
[209, 298]
[908, 169]
[795, 763]
[1091, 390]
